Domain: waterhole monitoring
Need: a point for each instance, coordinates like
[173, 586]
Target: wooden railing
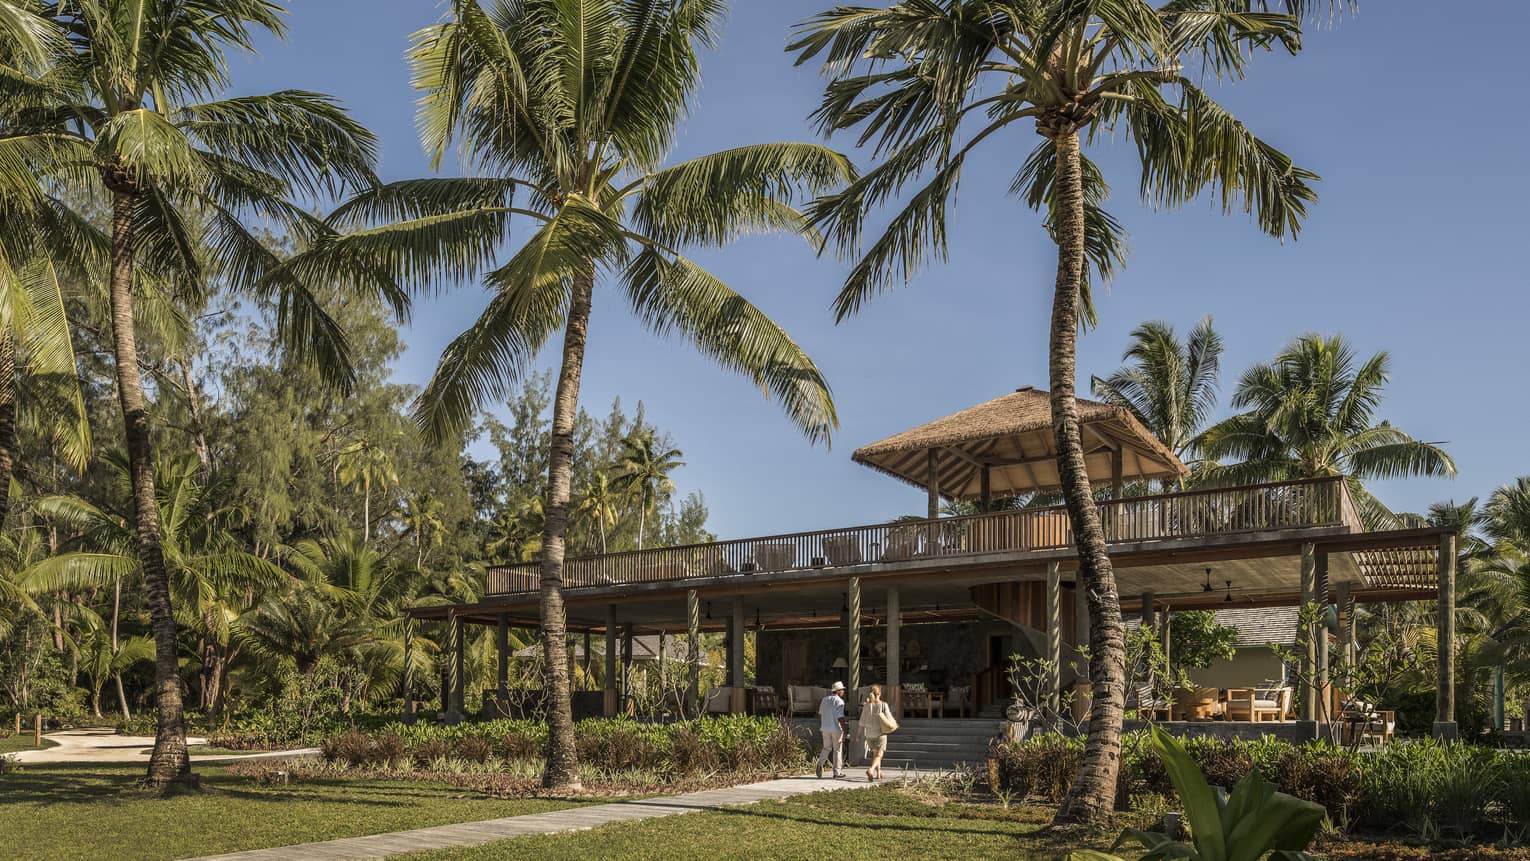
[1215, 511]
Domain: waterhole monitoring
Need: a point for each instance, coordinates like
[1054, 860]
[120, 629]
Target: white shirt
[830, 711]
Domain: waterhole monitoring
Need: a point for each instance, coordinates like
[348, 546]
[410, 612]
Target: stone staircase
[926, 744]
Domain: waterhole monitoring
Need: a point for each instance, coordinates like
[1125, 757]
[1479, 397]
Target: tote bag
[888, 723]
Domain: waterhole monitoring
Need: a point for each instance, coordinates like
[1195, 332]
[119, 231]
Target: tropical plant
[643, 473]
[211, 578]
[599, 501]
[1311, 413]
[1254, 822]
[361, 462]
[929, 82]
[134, 111]
[1169, 385]
[566, 110]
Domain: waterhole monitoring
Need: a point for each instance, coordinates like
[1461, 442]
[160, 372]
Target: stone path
[105, 745]
[575, 819]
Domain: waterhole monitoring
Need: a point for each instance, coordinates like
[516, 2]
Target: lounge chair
[1197, 704]
[1257, 704]
[775, 555]
[843, 550]
[718, 701]
[804, 699]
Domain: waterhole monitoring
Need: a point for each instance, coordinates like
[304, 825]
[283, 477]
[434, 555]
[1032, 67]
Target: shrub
[474, 748]
[1514, 789]
[1041, 767]
[1431, 788]
[431, 750]
[351, 748]
[387, 747]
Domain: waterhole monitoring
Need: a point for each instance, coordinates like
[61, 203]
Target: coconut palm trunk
[562, 761]
[169, 762]
[7, 421]
[1092, 796]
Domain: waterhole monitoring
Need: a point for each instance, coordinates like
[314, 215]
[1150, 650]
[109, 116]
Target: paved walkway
[105, 745]
[575, 819]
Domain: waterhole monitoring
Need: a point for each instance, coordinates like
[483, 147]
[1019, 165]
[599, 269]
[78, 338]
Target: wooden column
[589, 657]
[1054, 638]
[609, 685]
[1346, 602]
[502, 651]
[1304, 635]
[985, 490]
[693, 650]
[1117, 469]
[1445, 691]
[853, 623]
[408, 680]
[454, 663]
[663, 680]
[1320, 637]
[1498, 705]
[736, 669]
[894, 693]
[1149, 612]
[932, 486]
[1165, 635]
[626, 666]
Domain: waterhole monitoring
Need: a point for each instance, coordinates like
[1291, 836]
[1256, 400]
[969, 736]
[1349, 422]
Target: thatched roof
[1012, 437]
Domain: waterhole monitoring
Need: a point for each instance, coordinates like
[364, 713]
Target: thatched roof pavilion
[1005, 447]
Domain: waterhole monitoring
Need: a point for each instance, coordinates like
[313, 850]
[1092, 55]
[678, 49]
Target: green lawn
[82, 813]
[879, 822]
[21, 742]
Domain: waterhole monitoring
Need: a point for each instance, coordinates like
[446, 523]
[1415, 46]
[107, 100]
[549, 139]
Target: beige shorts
[876, 745]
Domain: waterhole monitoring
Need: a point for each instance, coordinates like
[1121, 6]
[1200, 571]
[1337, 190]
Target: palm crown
[927, 82]
[1170, 385]
[1312, 413]
[129, 105]
[566, 110]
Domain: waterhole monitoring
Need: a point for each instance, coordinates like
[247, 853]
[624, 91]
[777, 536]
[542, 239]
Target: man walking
[831, 722]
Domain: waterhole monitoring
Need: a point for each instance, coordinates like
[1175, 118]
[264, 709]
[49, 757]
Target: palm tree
[1168, 384]
[183, 170]
[927, 82]
[644, 473]
[566, 110]
[1311, 413]
[210, 577]
[599, 500]
[364, 463]
[1508, 511]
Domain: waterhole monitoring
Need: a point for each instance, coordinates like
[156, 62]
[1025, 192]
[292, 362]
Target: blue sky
[1415, 247]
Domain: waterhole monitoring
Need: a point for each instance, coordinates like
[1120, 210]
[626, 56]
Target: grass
[89, 812]
[17, 743]
[880, 822]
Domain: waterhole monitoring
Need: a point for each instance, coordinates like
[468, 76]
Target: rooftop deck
[1209, 513]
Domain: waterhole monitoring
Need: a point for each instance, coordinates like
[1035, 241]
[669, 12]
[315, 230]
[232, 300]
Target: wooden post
[736, 670]
[854, 624]
[18, 721]
[453, 667]
[693, 646]
[406, 684]
[1445, 692]
[1304, 637]
[589, 657]
[932, 486]
[37, 730]
[1346, 601]
[894, 651]
[1117, 469]
[1165, 632]
[985, 492]
[502, 647]
[626, 674]
[1149, 612]
[609, 685]
[1320, 637]
[1498, 696]
[1054, 638]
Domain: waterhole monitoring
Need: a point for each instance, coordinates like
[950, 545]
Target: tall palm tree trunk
[7, 420]
[1092, 796]
[562, 760]
[169, 762]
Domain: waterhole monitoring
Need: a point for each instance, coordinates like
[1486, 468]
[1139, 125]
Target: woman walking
[876, 723]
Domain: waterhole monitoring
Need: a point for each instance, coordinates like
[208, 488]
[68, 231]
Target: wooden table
[931, 698]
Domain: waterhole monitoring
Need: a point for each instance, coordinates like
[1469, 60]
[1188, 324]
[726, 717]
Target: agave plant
[1253, 822]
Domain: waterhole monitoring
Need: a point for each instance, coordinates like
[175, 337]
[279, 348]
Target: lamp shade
[840, 663]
